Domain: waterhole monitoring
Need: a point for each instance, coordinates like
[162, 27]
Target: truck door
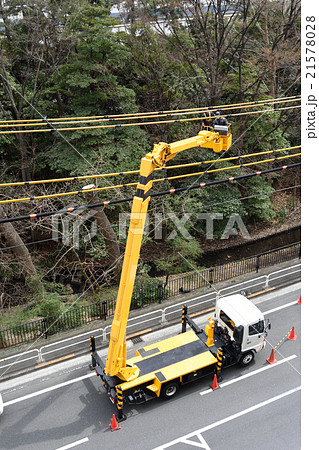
[255, 335]
[226, 320]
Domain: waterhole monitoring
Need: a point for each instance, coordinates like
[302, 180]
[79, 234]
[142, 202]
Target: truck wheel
[169, 390]
[246, 359]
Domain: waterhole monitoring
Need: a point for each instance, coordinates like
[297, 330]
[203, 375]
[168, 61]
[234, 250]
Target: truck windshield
[256, 328]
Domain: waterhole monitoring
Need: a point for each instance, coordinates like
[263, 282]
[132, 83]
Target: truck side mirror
[268, 324]
[239, 334]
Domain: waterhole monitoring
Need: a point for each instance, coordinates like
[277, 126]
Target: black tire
[169, 390]
[246, 359]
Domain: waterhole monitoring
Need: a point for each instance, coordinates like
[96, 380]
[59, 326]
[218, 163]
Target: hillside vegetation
[71, 59]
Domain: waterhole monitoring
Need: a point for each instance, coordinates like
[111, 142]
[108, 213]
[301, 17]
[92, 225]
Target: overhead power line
[52, 128]
[134, 172]
[261, 194]
[119, 186]
[134, 116]
[154, 194]
[106, 118]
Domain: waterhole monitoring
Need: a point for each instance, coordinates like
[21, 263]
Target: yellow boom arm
[158, 157]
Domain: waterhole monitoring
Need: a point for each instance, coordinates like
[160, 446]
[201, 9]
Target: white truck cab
[244, 323]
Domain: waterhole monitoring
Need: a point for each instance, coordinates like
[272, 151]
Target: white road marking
[188, 436]
[250, 374]
[202, 444]
[49, 389]
[280, 307]
[73, 444]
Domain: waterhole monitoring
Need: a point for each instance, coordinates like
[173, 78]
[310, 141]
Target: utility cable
[38, 112]
[125, 125]
[240, 137]
[154, 194]
[79, 120]
[134, 172]
[176, 177]
[134, 116]
[261, 194]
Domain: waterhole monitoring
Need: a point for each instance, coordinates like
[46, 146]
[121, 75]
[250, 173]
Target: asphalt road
[257, 407]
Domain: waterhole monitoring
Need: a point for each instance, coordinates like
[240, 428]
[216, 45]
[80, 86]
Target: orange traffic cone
[114, 425]
[299, 301]
[214, 384]
[292, 336]
[272, 359]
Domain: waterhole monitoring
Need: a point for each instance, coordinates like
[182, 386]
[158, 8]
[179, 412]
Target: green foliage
[281, 215]
[259, 208]
[14, 317]
[62, 59]
[143, 279]
[147, 289]
[265, 134]
[155, 73]
[53, 287]
[89, 84]
[181, 258]
[220, 199]
[98, 251]
[49, 306]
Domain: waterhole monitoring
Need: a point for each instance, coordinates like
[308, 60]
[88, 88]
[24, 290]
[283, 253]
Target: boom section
[116, 359]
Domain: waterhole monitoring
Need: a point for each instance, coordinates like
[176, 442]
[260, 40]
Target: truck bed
[170, 359]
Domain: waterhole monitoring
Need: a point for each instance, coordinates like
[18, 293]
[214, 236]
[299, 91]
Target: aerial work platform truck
[233, 335]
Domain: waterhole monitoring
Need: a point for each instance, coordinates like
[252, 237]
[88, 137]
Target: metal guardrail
[17, 357]
[156, 293]
[161, 315]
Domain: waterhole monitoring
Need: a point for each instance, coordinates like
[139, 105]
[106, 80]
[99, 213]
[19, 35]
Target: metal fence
[160, 316]
[78, 316]
[213, 275]
[48, 326]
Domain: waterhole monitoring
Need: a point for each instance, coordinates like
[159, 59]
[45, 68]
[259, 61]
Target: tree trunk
[107, 232]
[21, 252]
[25, 163]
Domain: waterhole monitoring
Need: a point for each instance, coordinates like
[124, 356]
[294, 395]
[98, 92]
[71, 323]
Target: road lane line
[280, 307]
[73, 444]
[49, 389]
[250, 374]
[227, 419]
